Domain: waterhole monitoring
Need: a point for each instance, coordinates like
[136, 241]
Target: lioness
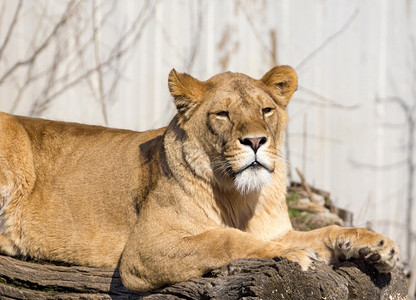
[168, 204]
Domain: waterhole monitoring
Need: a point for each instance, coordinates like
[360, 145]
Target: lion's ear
[283, 80]
[186, 90]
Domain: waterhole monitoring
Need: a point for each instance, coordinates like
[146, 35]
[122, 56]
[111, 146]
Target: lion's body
[167, 204]
[76, 194]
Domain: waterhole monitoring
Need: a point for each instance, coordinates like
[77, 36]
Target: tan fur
[167, 204]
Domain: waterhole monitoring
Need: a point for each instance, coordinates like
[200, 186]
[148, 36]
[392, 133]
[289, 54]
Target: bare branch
[407, 108]
[306, 186]
[170, 41]
[126, 42]
[387, 167]
[273, 51]
[316, 137]
[196, 38]
[328, 40]
[11, 28]
[97, 55]
[22, 88]
[41, 106]
[68, 12]
[258, 35]
[330, 102]
[135, 31]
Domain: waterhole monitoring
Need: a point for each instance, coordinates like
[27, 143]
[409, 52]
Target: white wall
[353, 57]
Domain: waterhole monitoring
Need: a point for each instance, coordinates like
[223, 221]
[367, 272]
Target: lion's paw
[304, 257]
[375, 248]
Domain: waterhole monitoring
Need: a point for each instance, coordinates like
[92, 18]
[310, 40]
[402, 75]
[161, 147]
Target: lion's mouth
[255, 165]
[252, 177]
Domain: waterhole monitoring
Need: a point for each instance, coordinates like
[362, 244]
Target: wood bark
[242, 279]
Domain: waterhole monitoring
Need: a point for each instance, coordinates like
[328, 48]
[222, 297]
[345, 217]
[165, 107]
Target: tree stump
[244, 278]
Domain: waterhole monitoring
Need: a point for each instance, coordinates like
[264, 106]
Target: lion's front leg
[149, 261]
[7, 247]
[335, 243]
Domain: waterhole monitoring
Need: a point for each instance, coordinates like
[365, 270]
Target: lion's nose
[254, 142]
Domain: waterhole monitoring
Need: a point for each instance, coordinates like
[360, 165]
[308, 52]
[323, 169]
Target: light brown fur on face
[168, 204]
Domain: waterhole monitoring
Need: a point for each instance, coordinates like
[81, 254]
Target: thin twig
[306, 187]
[374, 167]
[97, 56]
[325, 99]
[11, 28]
[328, 40]
[126, 42]
[331, 104]
[51, 76]
[118, 51]
[68, 12]
[258, 35]
[196, 37]
[22, 88]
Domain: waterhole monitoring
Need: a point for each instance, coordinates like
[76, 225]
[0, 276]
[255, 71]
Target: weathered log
[244, 278]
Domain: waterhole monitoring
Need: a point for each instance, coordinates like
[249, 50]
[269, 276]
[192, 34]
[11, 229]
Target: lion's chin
[252, 180]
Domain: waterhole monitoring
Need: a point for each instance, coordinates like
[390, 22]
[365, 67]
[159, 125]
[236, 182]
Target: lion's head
[235, 122]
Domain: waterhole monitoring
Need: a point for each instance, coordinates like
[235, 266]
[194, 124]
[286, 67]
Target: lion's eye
[267, 111]
[222, 114]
